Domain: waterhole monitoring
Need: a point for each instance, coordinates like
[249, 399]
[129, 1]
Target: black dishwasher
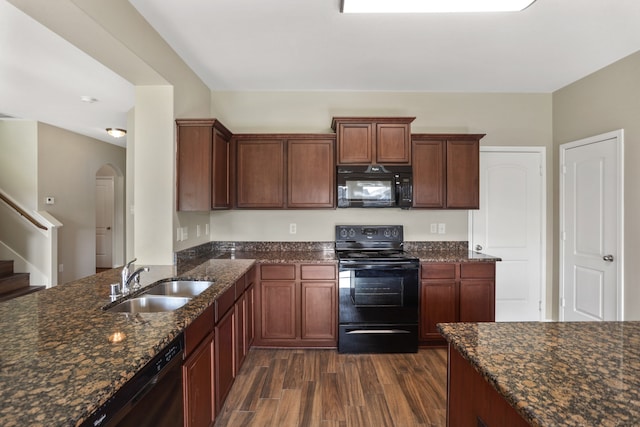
[153, 397]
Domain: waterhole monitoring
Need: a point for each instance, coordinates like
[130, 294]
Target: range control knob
[387, 233]
[352, 233]
[395, 232]
[343, 233]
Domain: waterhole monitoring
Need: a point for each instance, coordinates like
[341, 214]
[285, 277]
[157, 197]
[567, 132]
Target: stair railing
[21, 212]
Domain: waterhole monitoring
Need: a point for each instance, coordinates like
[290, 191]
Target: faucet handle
[130, 262]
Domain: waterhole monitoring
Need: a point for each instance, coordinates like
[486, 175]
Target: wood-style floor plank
[322, 388]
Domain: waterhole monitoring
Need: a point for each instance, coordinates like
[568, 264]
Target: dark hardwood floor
[323, 388]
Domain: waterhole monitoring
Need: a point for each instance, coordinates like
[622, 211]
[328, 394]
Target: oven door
[378, 308]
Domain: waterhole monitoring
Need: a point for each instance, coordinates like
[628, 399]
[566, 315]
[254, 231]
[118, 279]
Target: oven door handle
[377, 331]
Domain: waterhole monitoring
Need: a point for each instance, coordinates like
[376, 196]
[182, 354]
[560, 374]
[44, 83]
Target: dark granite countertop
[452, 256]
[58, 361]
[569, 374]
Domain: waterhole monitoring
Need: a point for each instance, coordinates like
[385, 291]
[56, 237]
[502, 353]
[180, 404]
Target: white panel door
[510, 224]
[591, 229]
[104, 222]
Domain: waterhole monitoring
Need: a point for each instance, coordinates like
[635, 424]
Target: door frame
[618, 135]
[542, 151]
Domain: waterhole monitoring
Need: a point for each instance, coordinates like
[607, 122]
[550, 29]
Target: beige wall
[604, 101]
[506, 119]
[67, 166]
[19, 161]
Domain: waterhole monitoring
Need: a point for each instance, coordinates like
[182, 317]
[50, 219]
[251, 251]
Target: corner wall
[605, 101]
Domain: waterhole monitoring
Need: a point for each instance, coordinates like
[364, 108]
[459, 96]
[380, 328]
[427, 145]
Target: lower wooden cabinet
[198, 371]
[472, 401]
[225, 372]
[198, 380]
[296, 305]
[455, 292]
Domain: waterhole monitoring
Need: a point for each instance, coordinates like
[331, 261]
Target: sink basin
[180, 288]
[150, 304]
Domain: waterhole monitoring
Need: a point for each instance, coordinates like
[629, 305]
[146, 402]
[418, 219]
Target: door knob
[608, 258]
[478, 248]
[108, 228]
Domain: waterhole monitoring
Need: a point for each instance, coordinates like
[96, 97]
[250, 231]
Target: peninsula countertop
[570, 374]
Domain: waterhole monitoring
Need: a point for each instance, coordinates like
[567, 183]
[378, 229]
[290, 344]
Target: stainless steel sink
[150, 304]
[180, 288]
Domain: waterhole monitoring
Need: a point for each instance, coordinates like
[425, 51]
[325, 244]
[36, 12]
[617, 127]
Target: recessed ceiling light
[116, 132]
[88, 99]
[432, 6]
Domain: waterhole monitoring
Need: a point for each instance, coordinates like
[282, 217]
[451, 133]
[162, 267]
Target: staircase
[12, 284]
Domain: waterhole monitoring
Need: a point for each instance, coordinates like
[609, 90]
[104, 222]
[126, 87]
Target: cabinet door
[241, 331]
[220, 197]
[311, 173]
[225, 357]
[355, 143]
[278, 310]
[193, 167]
[438, 304]
[249, 323]
[319, 311]
[392, 143]
[477, 300]
[260, 173]
[197, 376]
[463, 174]
[428, 174]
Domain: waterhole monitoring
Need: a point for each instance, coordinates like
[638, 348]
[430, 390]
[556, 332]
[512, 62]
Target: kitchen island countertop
[570, 374]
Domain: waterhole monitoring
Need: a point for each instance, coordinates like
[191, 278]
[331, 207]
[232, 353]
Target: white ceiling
[309, 45]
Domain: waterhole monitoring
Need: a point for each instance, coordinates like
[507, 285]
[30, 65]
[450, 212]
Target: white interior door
[511, 224]
[104, 221]
[591, 228]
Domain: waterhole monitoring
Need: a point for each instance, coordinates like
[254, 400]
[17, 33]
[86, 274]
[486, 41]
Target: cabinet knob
[478, 248]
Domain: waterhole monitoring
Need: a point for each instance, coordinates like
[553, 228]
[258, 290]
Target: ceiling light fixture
[432, 6]
[116, 132]
[88, 99]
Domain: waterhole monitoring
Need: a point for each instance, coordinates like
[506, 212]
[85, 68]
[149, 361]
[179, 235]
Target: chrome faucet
[128, 278]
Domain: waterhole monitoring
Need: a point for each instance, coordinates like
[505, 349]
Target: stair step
[14, 282]
[20, 292]
[6, 268]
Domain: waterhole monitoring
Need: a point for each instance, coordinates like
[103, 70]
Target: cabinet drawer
[318, 272]
[278, 272]
[198, 329]
[225, 302]
[478, 270]
[438, 271]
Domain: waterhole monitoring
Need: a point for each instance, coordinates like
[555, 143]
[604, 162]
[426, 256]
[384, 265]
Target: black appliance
[378, 290]
[152, 398]
[374, 186]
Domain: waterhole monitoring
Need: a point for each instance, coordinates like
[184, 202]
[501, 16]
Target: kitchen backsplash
[213, 247]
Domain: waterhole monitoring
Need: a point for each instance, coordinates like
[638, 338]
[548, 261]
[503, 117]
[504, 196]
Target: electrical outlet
[441, 228]
[198, 231]
[179, 234]
[60, 268]
[185, 233]
[206, 229]
[49, 200]
[293, 228]
[434, 228]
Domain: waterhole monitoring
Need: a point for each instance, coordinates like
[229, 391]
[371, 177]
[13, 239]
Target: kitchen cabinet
[278, 171]
[296, 305]
[311, 173]
[455, 292]
[244, 316]
[225, 371]
[472, 401]
[198, 372]
[373, 140]
[202, 170]
[260, 173]
[446, 171]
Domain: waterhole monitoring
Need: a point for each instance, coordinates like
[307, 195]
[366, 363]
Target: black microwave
[374, 186]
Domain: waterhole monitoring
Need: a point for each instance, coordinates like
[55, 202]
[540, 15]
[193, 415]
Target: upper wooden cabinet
[285, 171]
[446, 170]
[373, 140]
[202, 165]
